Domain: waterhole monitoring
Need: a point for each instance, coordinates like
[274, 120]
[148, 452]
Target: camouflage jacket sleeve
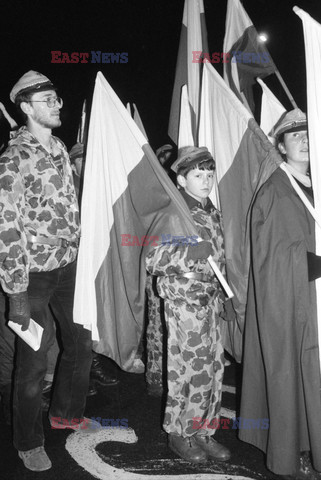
[37, 201]
[173, 259]
[13, 253]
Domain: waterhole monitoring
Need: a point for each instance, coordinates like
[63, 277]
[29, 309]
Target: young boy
[193, 302]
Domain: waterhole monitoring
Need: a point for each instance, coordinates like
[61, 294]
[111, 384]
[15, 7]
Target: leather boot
[98, 375]
[213, 449]
[186, 448]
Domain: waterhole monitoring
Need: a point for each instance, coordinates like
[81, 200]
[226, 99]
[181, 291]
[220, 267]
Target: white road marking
[227, 413]
[81, 446]
[229, 389]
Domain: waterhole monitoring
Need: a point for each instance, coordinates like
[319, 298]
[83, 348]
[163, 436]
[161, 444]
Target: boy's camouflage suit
[192, 308]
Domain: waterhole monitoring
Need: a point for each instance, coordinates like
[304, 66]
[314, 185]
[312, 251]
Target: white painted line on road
[229, 389]
[81, 446]
[227, 413]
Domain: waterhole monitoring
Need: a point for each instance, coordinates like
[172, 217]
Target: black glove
[229, 312]
[314, 266]
[19, 309]
[201, 251]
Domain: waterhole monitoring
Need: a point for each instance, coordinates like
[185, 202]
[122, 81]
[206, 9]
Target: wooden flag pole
[287, 91]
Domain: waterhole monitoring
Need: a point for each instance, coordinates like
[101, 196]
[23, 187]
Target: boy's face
[296, 147]
[198, 183]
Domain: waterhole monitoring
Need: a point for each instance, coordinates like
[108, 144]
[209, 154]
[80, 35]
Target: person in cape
[280, 401]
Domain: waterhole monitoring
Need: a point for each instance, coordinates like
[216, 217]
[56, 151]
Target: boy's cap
[29, 82]
[292, 121]
[189, 156]
[76, 151]
[163, 149]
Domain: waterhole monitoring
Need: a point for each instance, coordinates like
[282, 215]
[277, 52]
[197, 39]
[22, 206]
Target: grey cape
[281, 369]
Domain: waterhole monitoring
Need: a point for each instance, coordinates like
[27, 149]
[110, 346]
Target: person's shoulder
[277, 184]
[270, 196]
[11, 154]
[60, 143]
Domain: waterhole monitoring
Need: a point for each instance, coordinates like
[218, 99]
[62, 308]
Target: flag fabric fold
[271, 110]
[249, 57]
[188, 71]
[244, 161]
[127, 199]
[83, 126]
[312, 39]
[185, 135]
[139, 122]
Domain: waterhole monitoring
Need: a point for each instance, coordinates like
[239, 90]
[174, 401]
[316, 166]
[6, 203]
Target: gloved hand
[201, 251]
[19, 309]
[314, 266]
[229, 312]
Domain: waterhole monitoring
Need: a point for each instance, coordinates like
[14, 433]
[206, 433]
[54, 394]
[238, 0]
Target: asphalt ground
[139, 451]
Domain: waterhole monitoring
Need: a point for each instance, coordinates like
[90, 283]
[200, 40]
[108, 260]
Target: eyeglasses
[51, 102]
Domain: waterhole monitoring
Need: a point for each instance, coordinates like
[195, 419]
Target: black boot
[98, 375]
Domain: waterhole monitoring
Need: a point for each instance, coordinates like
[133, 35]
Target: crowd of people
[40, 188]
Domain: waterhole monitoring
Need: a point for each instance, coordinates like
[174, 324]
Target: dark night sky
[149, 31]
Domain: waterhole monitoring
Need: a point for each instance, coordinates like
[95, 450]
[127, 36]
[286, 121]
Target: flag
[188, 67]
[82, 129]
[10, 120]
[271, 110]
[185, 135]
[127, 198]
[248, 58]
[139, 122]
[244, 161]
[312, 39]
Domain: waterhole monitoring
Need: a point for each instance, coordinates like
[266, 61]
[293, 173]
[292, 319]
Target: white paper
[32, 336]
[220, 278]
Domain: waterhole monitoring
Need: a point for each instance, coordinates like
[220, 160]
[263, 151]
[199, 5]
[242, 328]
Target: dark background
[149, 31]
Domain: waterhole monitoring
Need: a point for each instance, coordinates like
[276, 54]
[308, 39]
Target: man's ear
[181, 180]
[26, 107]
[281, 147]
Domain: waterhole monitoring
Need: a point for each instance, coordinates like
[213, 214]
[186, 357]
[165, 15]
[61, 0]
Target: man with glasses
[39, 235]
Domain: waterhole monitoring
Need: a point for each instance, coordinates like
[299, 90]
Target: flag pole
[287, 91]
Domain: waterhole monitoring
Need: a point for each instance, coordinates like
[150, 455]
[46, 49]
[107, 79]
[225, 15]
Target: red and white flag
[312, 39]
[128, 202]
[249, 57]
[271, 110]
[244, 161]
[193, 42]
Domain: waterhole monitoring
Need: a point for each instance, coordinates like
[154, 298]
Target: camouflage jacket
[36, 199]
[168, 262]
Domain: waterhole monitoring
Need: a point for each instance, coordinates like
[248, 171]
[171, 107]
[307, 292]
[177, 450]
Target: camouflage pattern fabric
[195, 363]
[36, 198]
[154, 335]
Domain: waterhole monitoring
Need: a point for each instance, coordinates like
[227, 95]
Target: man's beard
[53, 123]
[48, 122]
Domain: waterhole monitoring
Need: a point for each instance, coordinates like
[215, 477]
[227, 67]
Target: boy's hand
[201, 251]
[228, 313]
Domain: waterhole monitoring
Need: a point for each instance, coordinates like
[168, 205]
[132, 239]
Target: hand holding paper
[32, 336]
